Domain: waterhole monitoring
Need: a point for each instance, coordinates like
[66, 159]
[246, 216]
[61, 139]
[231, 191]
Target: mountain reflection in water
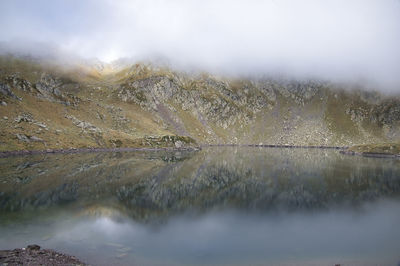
[225, 205]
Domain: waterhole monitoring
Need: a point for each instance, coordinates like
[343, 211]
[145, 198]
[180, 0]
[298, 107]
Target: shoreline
[370, 154]
[34, 255]
[277, 146]
[342, 149]
[5, 154]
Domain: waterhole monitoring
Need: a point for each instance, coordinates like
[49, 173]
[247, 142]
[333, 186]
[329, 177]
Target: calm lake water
[218, 206]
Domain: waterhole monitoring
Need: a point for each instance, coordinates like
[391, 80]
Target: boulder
[25, 117]
[33, 247]
[25, 138]
[6, 90]
[179, 144]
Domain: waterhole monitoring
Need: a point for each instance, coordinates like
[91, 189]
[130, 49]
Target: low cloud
[342, 40]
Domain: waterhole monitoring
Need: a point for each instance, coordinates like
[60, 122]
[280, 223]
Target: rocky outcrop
[85, 126]
[25, 138]
[6, 91]
[285, 112]
[169, 141]
[49, 84]
[19, 83]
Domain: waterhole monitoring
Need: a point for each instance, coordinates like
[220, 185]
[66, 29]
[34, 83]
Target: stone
[25, 138]
[6, 90]
[5, 117]
[42, 125]
[33, 247]
[3, 103]
[179, 144]
[35, 139]
[22, 137]
[24, 118]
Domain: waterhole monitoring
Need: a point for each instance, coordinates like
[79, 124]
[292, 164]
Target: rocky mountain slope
[45, 105]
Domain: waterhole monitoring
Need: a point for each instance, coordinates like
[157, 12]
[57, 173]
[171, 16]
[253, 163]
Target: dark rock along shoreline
[344, 150]
[34, 255]
[80, 150]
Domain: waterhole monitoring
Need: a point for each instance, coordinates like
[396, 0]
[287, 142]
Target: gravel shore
[34, 255]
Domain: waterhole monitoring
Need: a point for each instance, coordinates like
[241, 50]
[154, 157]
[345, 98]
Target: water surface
[218, 206]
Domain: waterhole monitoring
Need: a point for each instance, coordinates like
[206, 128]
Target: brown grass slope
[51, 106]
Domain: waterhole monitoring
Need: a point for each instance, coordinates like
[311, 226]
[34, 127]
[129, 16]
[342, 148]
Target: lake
[217, 206]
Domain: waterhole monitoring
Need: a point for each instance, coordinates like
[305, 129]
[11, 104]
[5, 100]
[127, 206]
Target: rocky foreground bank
[34, 255]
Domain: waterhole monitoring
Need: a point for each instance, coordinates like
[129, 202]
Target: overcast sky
[335, 39]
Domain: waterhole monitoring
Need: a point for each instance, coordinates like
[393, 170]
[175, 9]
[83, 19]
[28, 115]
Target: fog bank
[353, 40]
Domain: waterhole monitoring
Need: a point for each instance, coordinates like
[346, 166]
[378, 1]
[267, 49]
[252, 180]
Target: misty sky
[335, 39]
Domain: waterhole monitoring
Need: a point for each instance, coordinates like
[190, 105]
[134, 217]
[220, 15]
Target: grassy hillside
[45, 106]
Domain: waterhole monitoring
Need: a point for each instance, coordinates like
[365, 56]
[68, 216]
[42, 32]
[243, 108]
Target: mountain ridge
[49, 106]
